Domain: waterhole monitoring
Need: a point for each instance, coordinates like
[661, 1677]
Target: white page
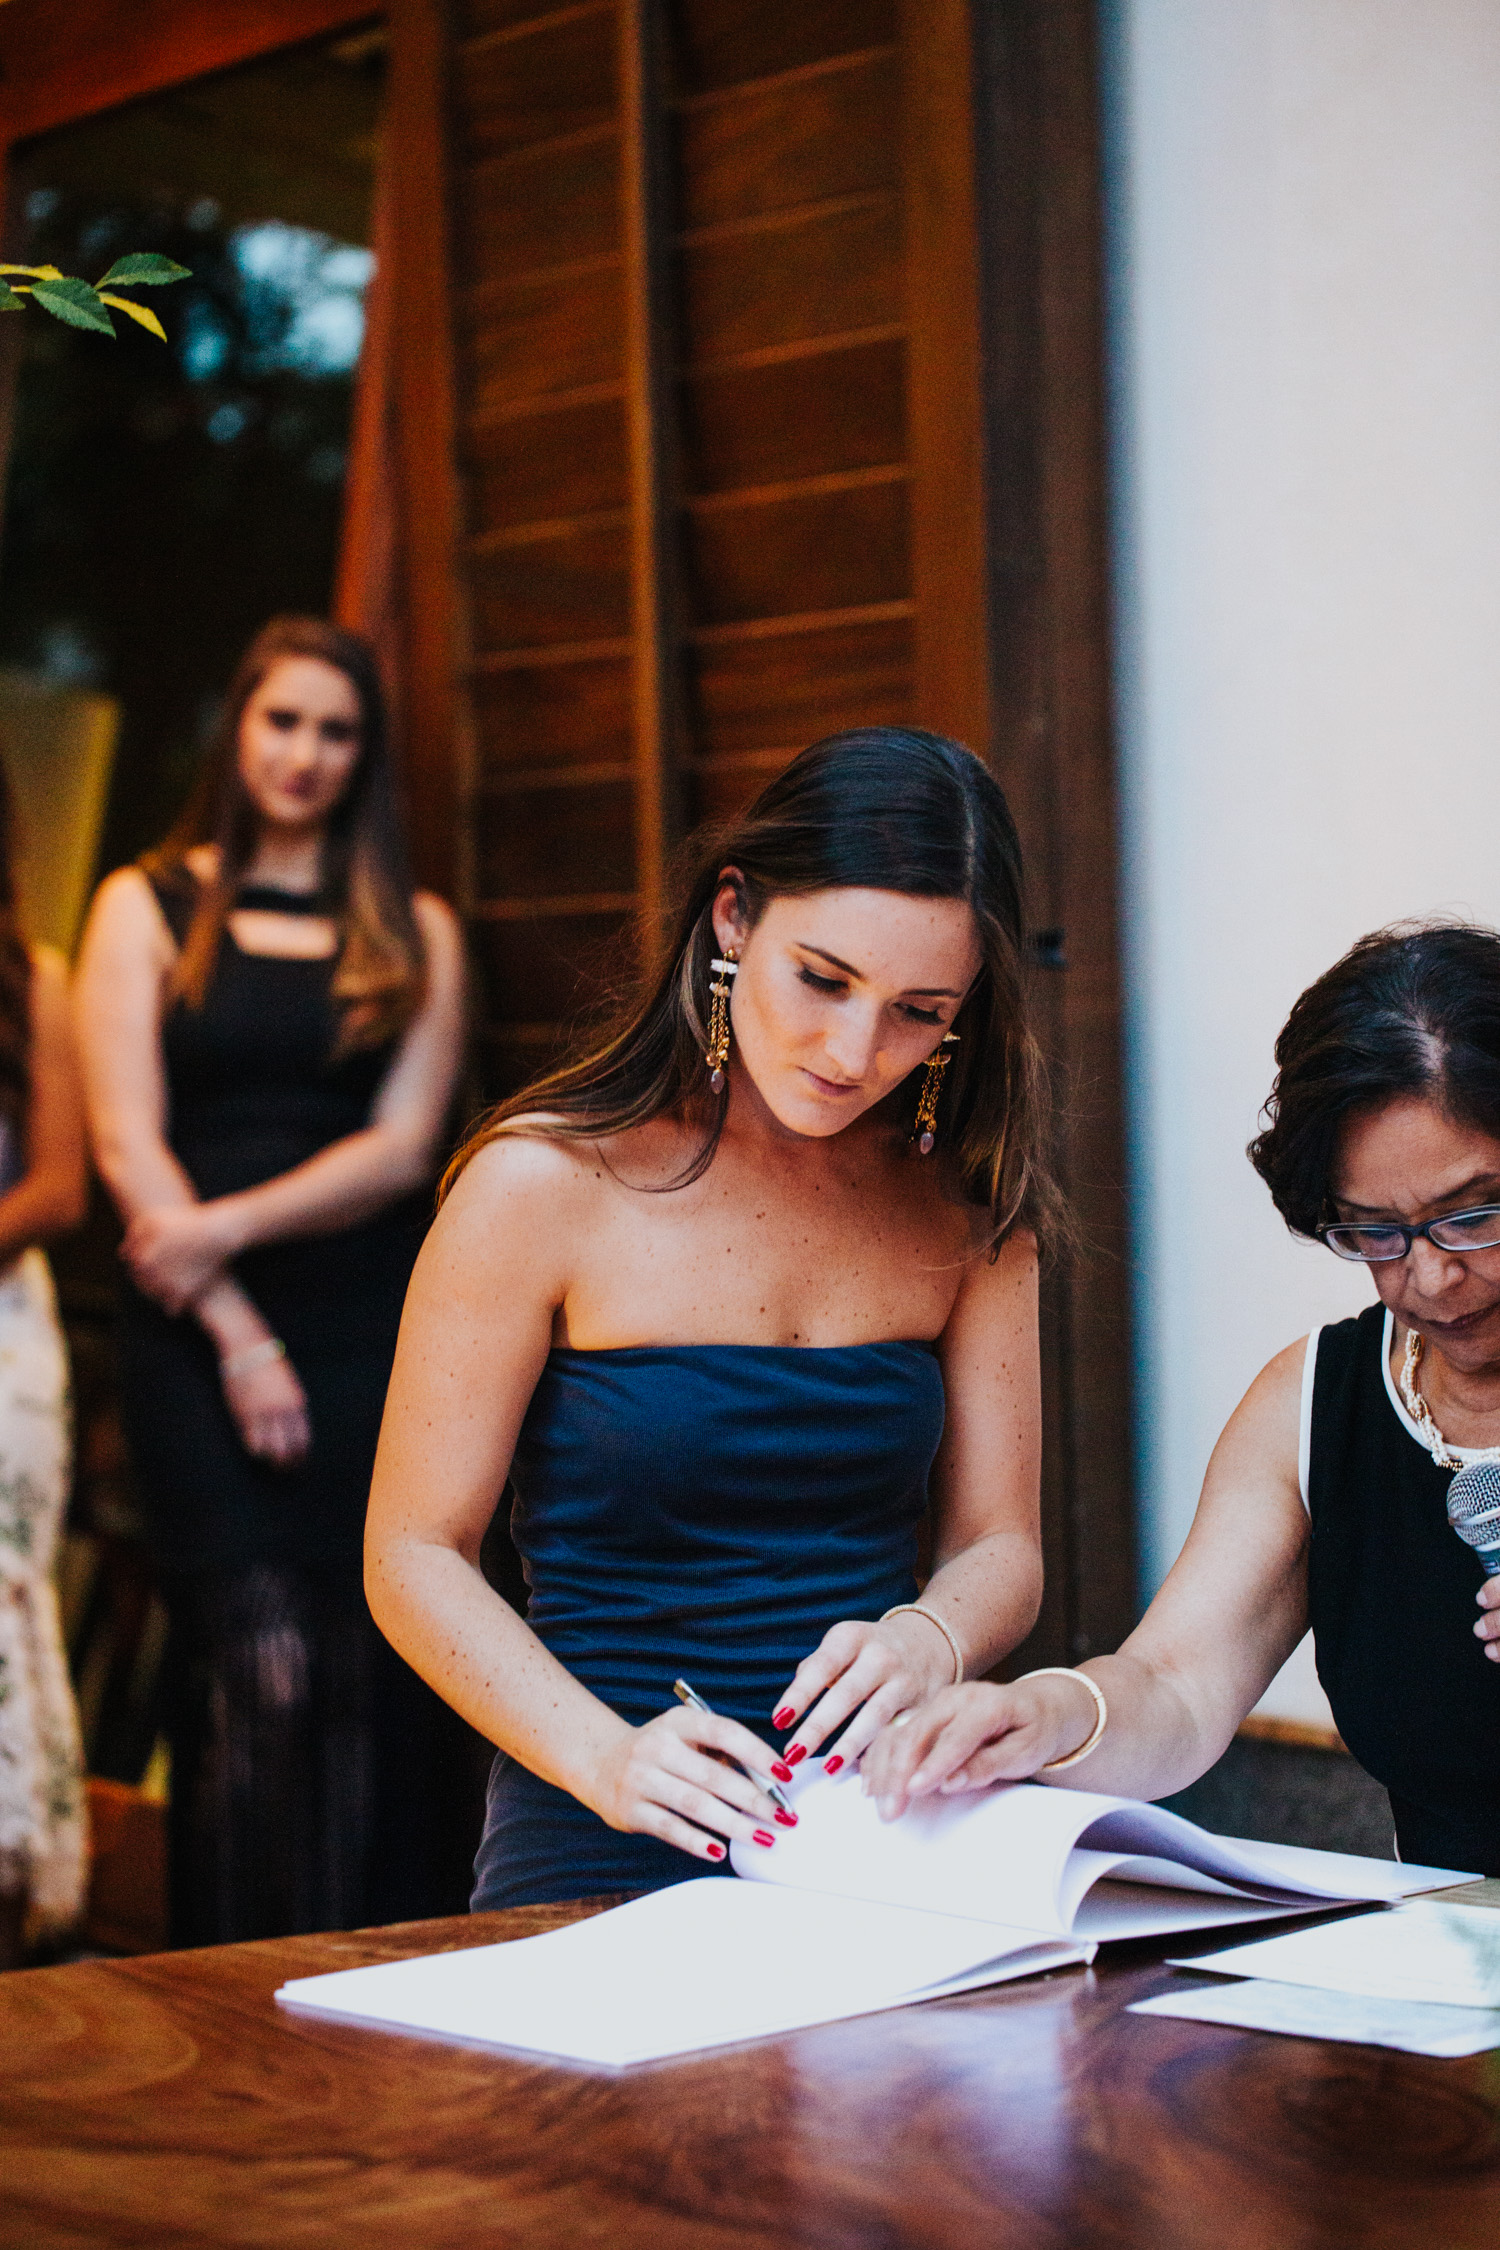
[701, 1964]
[1027, 1855]
[1425, 1951]
[1415, 2027]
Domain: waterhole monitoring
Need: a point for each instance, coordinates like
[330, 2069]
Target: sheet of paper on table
[850, 1915]
[1302, 2011]
[1427, 1951]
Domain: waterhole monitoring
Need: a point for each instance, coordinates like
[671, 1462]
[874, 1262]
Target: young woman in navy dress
[705, 1301]
[271, 1025]
[1325, 1500]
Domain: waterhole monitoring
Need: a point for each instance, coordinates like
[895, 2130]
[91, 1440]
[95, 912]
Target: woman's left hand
[176, 1250]
[864, 1674]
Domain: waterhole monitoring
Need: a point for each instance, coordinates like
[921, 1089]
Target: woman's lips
[1463, 1324]
[830, 1086]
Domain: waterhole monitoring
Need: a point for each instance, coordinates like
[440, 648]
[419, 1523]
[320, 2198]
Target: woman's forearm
[345, 1183]
[46, 1202]
[988, 1595]
[1160, 1736]
[435, 1608]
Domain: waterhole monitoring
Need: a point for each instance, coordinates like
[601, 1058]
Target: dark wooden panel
[66, 59]
[811, 276]
[542, 207]
[769, 148]
[472, 18]
[721, 791]
[535, 842]
[726, 42]
[547, 969]
[506, 1065]
[808, 551]
[543, 336]
[795, 418]
[760, 694]
[559, 714]
[423, 384]
[522, 85]
[531, 468]
[570, 586]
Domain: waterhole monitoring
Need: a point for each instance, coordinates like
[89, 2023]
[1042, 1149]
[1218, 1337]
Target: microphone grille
[1474, 1504]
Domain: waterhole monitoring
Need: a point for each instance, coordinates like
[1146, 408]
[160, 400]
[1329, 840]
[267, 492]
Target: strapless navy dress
[708, 1510]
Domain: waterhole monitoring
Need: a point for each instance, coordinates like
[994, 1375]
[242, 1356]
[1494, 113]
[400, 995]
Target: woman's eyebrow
[1483, 1183]
[918, 991]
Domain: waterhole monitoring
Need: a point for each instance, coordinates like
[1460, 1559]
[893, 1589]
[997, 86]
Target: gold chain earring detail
[718, 1020]
[925, 1129]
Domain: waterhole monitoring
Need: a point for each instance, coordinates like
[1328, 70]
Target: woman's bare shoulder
[126, 909]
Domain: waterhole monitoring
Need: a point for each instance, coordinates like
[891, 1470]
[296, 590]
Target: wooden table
[167, 2102]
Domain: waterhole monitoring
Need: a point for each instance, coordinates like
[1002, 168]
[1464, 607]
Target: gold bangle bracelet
[1101, 1712]
[916, 1609]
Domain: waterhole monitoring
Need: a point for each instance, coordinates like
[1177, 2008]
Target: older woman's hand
[175, 1250]
[863, 1674]
[1488, 1628]
[967, 1737]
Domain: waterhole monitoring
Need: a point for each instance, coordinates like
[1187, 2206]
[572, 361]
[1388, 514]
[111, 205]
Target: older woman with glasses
[1327, 1499]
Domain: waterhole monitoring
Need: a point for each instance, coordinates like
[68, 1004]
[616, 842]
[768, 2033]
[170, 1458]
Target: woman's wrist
[1083, 1716]
[937, 1634]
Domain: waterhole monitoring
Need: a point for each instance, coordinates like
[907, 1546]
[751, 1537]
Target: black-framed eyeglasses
[1455, 1230]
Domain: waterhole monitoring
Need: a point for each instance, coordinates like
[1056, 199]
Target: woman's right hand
[269, 1407]
[967, 1737]
[664, 1779]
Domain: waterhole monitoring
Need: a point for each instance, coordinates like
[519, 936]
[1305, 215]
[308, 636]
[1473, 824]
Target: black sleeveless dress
[305, 1754]
[253, 1090]
[1391, 1590]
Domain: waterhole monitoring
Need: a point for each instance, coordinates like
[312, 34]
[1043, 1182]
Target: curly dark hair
[1410, 1010]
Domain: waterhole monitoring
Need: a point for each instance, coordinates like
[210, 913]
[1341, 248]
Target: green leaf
[142, 313]
[143, 269]
[75, 303]
[9, 301]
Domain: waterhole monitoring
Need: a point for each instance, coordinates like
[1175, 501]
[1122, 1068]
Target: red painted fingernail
[783, 1717]
[787, 1819]
[795, 1757]
[716, 1851]
[831, 1765]
[780, 1772]
[763, 1836]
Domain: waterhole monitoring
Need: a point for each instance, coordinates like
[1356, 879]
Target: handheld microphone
[1474, 1510]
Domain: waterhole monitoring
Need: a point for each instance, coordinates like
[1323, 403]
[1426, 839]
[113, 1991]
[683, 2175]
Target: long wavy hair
[878, 808]
[380, 971]
[15, 976]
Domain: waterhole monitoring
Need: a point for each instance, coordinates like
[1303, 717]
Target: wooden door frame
[65, 60]
[1010, 579]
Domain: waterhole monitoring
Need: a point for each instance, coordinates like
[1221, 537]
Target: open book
[848, 1915]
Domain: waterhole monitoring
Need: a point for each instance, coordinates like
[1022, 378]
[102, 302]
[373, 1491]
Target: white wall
[1305, 272]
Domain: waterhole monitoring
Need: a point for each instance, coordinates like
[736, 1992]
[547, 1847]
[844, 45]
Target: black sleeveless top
[1391, 1590]
[254, 1088]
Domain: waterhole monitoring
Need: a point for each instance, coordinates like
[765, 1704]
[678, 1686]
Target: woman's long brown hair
[380, 974]
[879, 808]
[15, 977]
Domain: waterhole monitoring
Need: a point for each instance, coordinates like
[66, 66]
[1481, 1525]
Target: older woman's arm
[1229, 1615]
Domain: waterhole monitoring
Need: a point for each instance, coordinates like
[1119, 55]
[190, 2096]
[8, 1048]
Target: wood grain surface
[167, 2101]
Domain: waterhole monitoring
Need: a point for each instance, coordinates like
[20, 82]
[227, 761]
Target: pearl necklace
[1421, 1413]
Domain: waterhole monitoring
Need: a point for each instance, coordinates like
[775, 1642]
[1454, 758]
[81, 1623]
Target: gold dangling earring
[924, 1132]
[718, 1021]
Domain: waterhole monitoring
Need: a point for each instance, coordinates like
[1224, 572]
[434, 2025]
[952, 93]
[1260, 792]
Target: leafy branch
[84, 305]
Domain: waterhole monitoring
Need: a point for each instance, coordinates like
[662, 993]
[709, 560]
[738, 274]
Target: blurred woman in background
[271, 1024]
[43, 1189]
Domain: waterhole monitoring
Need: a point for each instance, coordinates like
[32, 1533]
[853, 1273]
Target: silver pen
[685, 1694]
